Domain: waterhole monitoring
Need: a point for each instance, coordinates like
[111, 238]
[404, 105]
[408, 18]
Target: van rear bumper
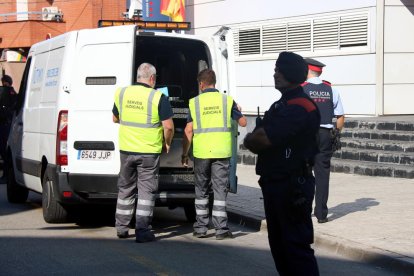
[102, 189]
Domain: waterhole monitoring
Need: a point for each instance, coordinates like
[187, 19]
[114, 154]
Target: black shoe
[122, 235]
[200, 235]
[323, 220]
[226, 235]
[144, 237]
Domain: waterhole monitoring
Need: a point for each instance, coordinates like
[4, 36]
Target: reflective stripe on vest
[211, 113]
[140, 127]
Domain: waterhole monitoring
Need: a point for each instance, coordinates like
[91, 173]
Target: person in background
[7, 103]
[146, 125]
[329, 103]
[285, 141]
[209, 128]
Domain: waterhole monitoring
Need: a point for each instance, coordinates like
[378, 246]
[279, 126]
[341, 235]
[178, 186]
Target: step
[406, 159]
[371, 169]
[246, 157]
[371, 124]
[377, 135]
[384, 145]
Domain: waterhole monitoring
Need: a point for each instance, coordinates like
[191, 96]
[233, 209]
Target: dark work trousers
[290, 232]
[138, 175]
[4, 134]
[211, 173]
[322, 170]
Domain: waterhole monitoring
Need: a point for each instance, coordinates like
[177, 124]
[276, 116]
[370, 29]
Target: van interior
[177, 62]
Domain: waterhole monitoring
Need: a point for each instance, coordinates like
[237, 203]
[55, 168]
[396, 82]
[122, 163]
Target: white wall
[353, 73]
[217, 13]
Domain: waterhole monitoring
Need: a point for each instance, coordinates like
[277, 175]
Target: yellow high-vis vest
[140, 127]
[211, 114]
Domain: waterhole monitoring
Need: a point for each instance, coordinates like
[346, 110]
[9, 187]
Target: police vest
[322, 95]
[140, 127]
[211, 113]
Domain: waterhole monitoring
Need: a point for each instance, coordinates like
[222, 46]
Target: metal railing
[24, 16]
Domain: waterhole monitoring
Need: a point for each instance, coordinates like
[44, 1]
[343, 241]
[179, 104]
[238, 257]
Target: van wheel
[15, 192]
[53, 212]
[190, 212]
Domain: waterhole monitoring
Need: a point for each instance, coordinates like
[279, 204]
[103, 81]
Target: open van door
[223, 65]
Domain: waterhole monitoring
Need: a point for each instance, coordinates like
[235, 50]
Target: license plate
[98, 155]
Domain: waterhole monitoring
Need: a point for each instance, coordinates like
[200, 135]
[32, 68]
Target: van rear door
[104, 63]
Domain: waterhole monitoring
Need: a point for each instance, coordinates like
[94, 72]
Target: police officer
[7, 102]
[210, 122]
[285, 141]
[329, 103]
[145, 117]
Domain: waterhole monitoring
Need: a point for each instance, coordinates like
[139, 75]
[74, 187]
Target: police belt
[305, 170]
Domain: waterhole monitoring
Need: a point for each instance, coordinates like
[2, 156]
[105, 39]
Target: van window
[23, 85]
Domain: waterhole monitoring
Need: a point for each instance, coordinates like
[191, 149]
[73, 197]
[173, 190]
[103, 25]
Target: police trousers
[322, 169]
[138, 176]
[211, 174]
[290, 229]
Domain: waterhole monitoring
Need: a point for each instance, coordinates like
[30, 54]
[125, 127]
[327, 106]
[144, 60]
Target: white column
[22, 9]
[380, 58]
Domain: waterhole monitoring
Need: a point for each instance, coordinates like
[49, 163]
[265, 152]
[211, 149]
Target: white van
[63, 143]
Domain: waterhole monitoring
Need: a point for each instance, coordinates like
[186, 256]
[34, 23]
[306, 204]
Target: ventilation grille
[299, 36]
[249, 42]
[325, 34]
[354, 31]
[312, 35]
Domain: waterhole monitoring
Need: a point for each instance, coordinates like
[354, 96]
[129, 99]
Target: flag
[175, 9]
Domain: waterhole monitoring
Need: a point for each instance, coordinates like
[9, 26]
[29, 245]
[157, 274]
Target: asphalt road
[88, 246]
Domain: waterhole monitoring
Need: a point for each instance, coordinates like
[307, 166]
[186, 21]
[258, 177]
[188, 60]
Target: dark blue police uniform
[292, 125]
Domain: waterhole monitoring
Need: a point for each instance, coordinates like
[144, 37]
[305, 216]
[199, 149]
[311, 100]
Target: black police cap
[292, 66]
[314, 62]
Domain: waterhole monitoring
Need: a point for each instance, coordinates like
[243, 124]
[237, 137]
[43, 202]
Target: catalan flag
[175, 9]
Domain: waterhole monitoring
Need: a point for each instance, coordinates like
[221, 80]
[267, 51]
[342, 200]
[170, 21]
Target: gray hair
[145, 71]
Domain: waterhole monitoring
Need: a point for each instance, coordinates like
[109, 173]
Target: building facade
[367, 46]
[25, 22]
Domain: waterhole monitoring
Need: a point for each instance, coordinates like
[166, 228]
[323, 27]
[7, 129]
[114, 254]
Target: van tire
[15, 192]
[53, 211]
[190, 212]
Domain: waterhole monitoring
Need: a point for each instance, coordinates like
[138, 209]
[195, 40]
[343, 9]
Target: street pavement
[371, 219]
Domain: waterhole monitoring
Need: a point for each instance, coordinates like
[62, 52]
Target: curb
[256, 223]
[390, 261]
[387, 260]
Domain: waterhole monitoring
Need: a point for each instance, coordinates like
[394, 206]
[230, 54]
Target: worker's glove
[336, 139]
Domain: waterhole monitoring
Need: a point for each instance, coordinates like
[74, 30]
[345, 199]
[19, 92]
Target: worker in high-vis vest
[209, 128]
[146, 128]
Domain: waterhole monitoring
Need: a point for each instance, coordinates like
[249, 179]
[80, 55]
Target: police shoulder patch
[308, 105]
[327, 82]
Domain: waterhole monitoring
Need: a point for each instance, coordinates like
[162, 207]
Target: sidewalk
[371, 218]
